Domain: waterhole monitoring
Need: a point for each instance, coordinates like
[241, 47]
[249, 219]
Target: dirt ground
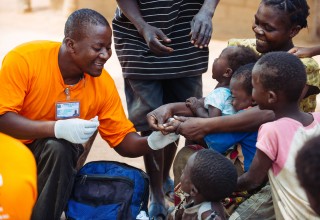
[46, 24]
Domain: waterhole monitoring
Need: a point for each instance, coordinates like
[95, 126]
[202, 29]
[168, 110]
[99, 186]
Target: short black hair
[213, 175]
[282, 71]
[308, 166]
[298, 10]
[80, 19]
[243, 55]
[244, 73]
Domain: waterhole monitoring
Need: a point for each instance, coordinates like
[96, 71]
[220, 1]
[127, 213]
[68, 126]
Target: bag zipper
[104, 177]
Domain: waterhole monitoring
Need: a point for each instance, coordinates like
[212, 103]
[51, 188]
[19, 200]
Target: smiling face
[240, 98]
[273, 29]
[91, 51]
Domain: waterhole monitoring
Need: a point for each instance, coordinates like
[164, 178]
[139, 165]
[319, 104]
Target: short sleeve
[220, 98]
[14, 83]
[267, 140]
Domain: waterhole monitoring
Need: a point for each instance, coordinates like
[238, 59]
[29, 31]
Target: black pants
[56, 161]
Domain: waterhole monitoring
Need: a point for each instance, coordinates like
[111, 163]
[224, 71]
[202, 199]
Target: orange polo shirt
[32, 84]
[18, 179]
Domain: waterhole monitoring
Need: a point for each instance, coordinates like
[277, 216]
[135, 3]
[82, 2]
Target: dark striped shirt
[173, 17]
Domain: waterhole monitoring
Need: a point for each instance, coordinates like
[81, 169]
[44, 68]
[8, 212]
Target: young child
[241, 89]
[307, 168]
[218, 102]
[278, 79]
[242, 155]
[207, 178]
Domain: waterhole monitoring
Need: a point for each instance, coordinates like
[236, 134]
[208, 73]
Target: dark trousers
[56, 166]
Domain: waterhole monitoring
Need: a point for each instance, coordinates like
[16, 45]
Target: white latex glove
[157, 140]
[75, 130]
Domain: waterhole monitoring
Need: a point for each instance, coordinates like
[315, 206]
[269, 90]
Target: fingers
[91, 124]
[156, 123]
[158, 48]
[293, 50]
[180, 118]
[157, 41]
[89, 131]
[94, 119]
[201, 33]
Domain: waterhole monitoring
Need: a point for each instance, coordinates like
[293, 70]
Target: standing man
[162, 47]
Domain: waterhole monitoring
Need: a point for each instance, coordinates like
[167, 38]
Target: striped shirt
[173, 17]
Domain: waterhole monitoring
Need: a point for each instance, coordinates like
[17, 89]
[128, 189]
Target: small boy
[307, 168]
[207, 178]
[278, 79]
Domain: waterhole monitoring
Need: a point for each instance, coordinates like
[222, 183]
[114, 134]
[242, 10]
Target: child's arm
[257, 173]
[303, 52]
[197, 107]
[214, 112]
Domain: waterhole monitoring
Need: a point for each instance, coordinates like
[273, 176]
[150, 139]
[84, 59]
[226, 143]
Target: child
[307, 168]
[278, 80]
[218, 102]
[241, 89]
[207, 178]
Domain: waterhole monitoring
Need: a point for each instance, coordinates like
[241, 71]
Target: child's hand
[193, 103]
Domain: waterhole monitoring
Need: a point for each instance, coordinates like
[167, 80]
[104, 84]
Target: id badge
[66, 110]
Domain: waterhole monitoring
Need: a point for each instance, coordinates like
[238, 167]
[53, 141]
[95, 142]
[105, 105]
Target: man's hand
[155, 40]
[158, 117]
[201, 29]
[75, 130]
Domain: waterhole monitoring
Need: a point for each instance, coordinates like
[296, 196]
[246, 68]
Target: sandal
[157, 211]
[168, 189]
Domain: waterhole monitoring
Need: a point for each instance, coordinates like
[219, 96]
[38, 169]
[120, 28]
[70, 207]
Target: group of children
[282, 154]
[278, 79]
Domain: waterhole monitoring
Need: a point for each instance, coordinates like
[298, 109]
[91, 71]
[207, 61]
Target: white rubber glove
[157, 140]
[75, 130]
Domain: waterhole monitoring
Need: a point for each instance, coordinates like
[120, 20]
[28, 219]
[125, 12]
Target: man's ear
[228, 72]
[295, 30]
[69, 44]
[272, 97]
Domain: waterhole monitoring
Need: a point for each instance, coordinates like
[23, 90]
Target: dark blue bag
[108, 190]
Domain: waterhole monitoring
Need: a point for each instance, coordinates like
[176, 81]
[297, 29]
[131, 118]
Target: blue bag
[108, 190]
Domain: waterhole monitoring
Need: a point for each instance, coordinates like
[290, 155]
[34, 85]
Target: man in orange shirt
[43, 83]
[18, 179]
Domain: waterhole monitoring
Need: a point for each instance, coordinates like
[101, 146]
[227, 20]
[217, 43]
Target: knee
[60, 149]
